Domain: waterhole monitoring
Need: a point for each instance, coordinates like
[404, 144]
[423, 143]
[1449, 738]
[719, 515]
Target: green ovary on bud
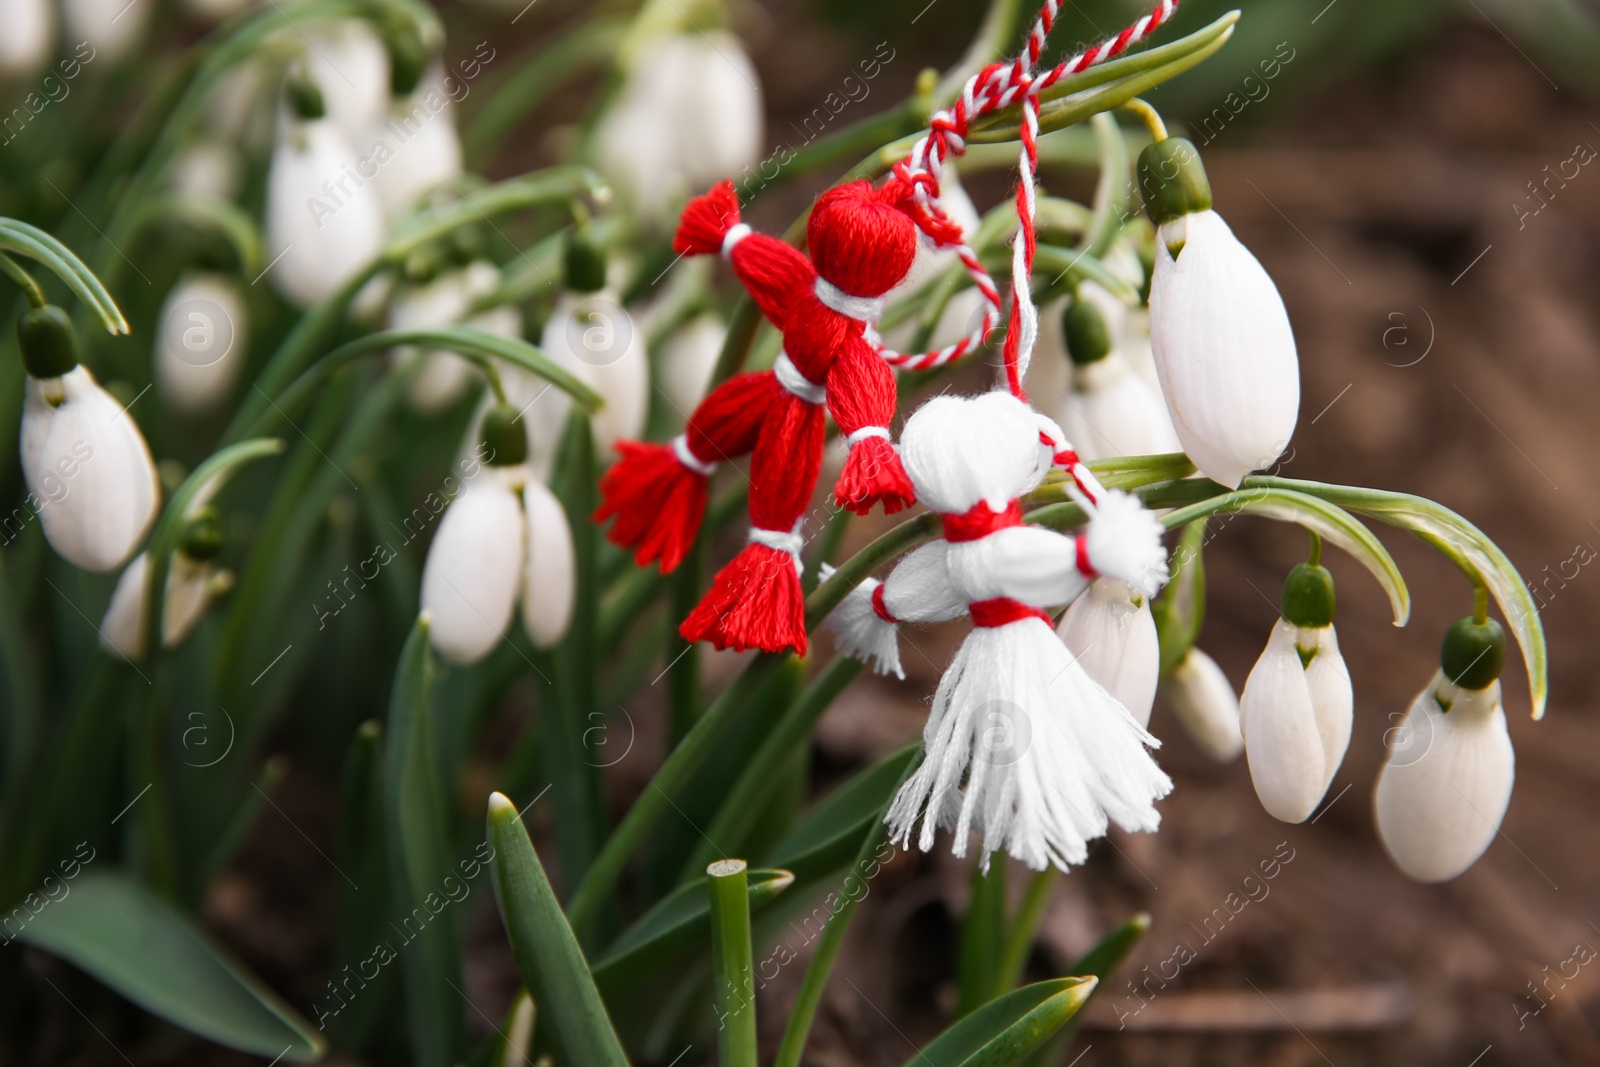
[1088, 339]
[201, 538]
[1308, 598]
[504, 437]
[48, 343]
[305, 97]
[1172, 180]
[407, 59]
[585, 265]
[1473, 653]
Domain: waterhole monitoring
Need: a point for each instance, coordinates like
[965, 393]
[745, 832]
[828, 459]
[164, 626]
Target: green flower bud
[49, 344]
[1473, 652]
[1172, 180]
[504, 437]
[585, 265]
[467, 244]
[201, 538]
[1088, 340]
[423, 264]
[305, 98]
[1308, 598]
[407, 59]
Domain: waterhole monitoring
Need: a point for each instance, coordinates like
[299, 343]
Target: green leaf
[831, 833]
[231, 222]
[139, 946]
[1008, 1028]
[1466, 546]
[23, 239]
[1100, 961]
[513, 194]
[1180, 610]
[679, 923]
[430, 956]
[1333, 523]
[552, 964]
[733, 970]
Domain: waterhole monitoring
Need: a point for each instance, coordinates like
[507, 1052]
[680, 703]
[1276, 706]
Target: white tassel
[1125, 542]
[860, 632]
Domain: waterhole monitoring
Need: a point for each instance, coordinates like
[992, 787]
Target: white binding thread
[866, 432]
[736, 233]
[680, 448]
[790, 378]
[863, 308]
[790, 542]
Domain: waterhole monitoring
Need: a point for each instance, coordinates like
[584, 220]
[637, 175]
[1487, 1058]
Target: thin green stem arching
[1149, 116]
[19, 274]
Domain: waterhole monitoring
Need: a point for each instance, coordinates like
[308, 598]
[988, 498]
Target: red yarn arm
[778, 276]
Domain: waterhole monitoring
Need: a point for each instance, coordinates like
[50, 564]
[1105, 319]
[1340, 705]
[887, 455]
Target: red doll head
[860, 239]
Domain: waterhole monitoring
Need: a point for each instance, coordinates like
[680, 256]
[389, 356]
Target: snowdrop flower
[1111, 631]
[30, 30]
[1221, 338]
[1446, 781]
[1203, 701]
[347, 60]
[1296, 709]
[193, 582]
[110, 27]
[688, 114]
[320, 231]
[416, 148]
[83, 456]
[201, 337]
[444, 376]
[687, 361]
[1109, 411]
[505, 539]
[208, 169]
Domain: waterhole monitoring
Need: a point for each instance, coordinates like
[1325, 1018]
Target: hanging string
[997, 86]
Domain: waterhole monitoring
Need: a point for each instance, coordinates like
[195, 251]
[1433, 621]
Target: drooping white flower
[29, 30]
[347, 60]
[110, 27]
[1111, 412]
[191, 586]
[87, 464]
[688, 114]
[1220, 335]
[207, 169]
[1203, 701]
[416, 147]
[319, 232]
[445, 376]
[549, 589]
[1446, 783]
[201, 341]
[593, 336]
[687, 359]
[1295, 715]
[1111, 631]
[473, 575]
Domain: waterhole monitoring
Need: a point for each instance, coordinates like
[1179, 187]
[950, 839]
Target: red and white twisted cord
[997, 86]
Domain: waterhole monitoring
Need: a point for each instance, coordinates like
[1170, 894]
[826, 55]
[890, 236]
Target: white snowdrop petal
[110, 27]
[1441, 795]
[550, 578]
[350, 65]
[201, 342]
[594, 337]
[416, 147]
[1282, 741]
[1113, 635]
[86, 463]
[1202, 699]
[188, 594]
[687, 361]
[1332, 698]
[319, 233]
[120, 627]
[1111, 412]
[473, 574]
[30, 27]
[1223, 349]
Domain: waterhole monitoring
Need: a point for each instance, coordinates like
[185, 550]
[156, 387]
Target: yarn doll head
[860, 239]
[960, 450]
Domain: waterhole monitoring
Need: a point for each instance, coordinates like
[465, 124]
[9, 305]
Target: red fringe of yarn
[657, 502]
[873, 473]
[706, 220]
[754, 602]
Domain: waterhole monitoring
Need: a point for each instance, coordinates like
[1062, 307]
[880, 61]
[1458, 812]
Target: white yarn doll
[1022, 745]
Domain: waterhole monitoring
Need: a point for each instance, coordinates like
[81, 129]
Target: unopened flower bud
[48, 343]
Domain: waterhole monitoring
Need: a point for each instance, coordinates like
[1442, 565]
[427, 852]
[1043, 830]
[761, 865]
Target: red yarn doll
[862, 240]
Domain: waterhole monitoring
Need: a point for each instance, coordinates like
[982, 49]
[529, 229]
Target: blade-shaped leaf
[1332, 523]
[138, 945]
[677, 924]
[1008, 1028]
[1467, 546]
[552, 964]
[33, 242]
[1099, 961]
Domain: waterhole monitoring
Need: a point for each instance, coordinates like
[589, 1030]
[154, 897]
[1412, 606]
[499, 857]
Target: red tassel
[754, 602]
[873, 473]
[657, 502]
[706, 220]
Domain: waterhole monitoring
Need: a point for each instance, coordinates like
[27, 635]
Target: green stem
[982, 934]
[1480, 603]
[1316, 548]
[1019, 937]
[732, 961]
[1149, 116]
[19, 274]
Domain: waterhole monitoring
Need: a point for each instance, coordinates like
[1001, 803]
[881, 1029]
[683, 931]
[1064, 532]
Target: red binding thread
[979, 521]
[879, 606]
[1002, 610]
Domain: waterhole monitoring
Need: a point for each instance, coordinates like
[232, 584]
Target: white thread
[864, 308]
[736, 233]
[866, 432]
[790, 542]
[680, 448]
[790, 378]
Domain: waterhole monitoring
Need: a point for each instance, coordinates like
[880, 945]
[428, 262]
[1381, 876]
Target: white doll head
[960, 450]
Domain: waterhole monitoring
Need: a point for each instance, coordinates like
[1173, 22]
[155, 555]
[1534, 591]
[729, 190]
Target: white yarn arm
[1032, 564]
[919, 588]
